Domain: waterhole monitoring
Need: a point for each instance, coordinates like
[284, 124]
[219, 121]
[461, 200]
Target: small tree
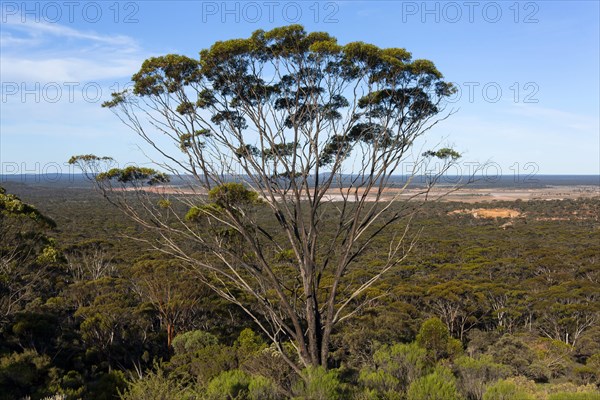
[160, 283]
[435, 338]
[286, 142]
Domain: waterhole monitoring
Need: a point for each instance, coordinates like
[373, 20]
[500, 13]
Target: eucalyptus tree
[27, 255]
[286, 142]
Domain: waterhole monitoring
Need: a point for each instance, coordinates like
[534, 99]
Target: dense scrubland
[481, 308]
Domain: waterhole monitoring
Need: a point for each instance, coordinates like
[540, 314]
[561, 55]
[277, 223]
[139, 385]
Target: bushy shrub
[506, 390]
[199, 356]
[238, 385]
[475, 374]
[247, 345]
[395, 368]
[261, 388]
[439, 385]
[192, 341]
[513, 351]
[319, 384]
[156, 385]
[479, 341]
[23, 374]
[228, 385]
[575, 396]
[270, 364]
[590, 373]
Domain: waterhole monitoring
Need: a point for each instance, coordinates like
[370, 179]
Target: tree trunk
[170, 334]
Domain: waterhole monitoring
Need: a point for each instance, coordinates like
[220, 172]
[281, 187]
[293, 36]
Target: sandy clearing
[467, 194]
[489, 213]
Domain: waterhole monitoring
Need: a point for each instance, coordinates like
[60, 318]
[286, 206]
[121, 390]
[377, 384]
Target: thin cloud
[70, 69]
[35, 30]
[43, 52]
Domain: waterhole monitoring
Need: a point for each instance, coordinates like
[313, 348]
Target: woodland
[474, 312]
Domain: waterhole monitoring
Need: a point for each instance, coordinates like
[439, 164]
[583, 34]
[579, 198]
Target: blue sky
[528, 72]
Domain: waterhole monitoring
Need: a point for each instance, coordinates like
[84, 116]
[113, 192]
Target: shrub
[248, 344]
[439, 385]
[575, 396]
[198, 355]
[190, 342]
[396, 367]
[156, 386]
[261, 388]
[21, 374]
[475, 374]
[514, 352]
[228, 385]
[319, 384]
[506, 390]
[269, 363]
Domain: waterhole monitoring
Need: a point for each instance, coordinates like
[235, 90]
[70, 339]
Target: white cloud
[35, 30]
[43, 52]
[70, 69]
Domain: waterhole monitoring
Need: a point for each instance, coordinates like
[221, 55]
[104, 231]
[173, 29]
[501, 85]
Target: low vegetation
[475, 312]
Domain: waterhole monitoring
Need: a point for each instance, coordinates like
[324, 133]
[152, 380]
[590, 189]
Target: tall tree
[287, 142]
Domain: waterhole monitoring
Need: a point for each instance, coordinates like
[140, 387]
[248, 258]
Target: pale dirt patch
[466, 194]
[489, 213]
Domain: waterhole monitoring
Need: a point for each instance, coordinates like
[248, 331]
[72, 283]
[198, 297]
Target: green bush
[270, 364]
[513, 351]
[439, 385]
[190, 342]
[247, 345]
[23, 374]
[319, 384]
[396, 367]
[261, 388]
[506, 390]
[574, 396]
[229, 385]
[199, 356]
[156, 386]
[475, 374]
[238, 385]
